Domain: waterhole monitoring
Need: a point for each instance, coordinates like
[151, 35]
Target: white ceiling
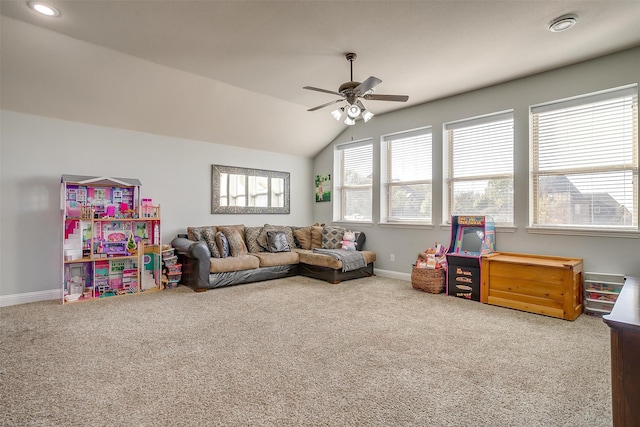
[259, 54]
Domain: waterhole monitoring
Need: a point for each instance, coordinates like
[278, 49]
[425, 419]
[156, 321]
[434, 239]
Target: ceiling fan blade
[317, 89]
[376, 97]
[367, 85]
[325, 105]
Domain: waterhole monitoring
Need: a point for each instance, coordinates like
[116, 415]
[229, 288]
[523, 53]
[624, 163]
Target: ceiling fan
[352, 92]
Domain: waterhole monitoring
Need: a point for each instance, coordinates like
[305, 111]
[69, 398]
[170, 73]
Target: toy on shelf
[131, 245]
[171, 270]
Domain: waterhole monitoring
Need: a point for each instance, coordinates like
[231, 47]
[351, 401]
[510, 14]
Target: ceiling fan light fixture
[337, 113]
[349, 121]
[563, 23]
[353, 111]
[367, 115]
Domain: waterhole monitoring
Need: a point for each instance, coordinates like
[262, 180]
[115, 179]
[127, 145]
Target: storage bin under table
[548, 285]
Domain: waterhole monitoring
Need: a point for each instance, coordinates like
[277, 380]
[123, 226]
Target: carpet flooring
[300, 352]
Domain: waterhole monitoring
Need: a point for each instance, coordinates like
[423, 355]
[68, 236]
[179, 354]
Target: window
[584, 161]
[353, 174]
[406, 174]
[479, 167]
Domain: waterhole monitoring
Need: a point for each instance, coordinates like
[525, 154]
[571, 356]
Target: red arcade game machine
[471, 237]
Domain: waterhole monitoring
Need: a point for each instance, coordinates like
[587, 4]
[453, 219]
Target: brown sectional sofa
[204, 265]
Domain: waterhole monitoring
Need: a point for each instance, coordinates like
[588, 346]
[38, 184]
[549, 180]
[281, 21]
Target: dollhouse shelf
[111, 238]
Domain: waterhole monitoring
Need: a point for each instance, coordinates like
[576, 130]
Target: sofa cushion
[242, 262]
[332, 237]
[323, 260]
[223, 244]
[268, 259]
[251, 239]
[277, 241]
[209, 236]
[235, 237]
[303, 237]
[262, 238]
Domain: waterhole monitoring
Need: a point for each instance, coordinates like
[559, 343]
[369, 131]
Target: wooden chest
[539, 284]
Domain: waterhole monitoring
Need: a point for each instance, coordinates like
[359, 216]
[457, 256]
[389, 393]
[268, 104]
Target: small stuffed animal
[349, 241]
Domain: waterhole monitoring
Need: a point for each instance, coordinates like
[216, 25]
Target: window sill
[414, 225]
[629, 234]
[352, 223]
[499, 228]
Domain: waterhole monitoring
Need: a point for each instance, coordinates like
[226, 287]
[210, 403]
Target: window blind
[353, 173]
[584, 161]
[479, 167]
[408, 177]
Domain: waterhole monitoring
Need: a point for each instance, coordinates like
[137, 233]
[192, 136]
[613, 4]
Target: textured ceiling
[232, 72]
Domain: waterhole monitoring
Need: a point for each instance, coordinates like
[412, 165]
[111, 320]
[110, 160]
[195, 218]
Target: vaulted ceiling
[232, 72]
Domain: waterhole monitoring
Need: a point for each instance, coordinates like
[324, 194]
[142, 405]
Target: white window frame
[477, 155]
[342, 189]
[626, 141]
[421, 141]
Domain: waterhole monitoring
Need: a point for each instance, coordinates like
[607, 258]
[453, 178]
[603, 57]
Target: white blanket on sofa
[351, 260]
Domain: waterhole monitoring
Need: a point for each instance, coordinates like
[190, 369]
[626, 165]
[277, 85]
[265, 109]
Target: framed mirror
[236, 190]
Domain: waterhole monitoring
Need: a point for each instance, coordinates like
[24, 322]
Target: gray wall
[175, 173]
[602, 254]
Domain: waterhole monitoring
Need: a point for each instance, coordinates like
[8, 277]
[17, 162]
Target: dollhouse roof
[101, 180]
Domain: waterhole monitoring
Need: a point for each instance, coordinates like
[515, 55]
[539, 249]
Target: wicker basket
[428, 279]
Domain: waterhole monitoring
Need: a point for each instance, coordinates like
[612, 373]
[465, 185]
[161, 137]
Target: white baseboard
[392, 274]
[15, 299]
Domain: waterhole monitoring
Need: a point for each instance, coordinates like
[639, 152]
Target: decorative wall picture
[323, 188]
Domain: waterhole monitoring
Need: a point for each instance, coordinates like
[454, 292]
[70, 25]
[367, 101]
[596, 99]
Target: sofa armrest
[360, 241]
[196, 261]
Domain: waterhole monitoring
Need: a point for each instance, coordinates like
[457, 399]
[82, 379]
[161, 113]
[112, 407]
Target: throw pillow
[195, 233]
[316, 236]
[303, 237]
[223, 244]
[251, 239]
[277, 241]
[262, 237]
[332, 237]
[235, 239]
[209, 236]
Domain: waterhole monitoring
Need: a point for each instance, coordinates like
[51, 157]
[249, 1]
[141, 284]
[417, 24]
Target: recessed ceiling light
[563, 23]
[44, 8]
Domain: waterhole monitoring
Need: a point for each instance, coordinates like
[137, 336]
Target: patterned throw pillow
[251, 239]
[262, 237]
[235, 239]
[209, 236]
[195, 233]
[277, 241]
[223, 244]
[332, 237]
[303, 237]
